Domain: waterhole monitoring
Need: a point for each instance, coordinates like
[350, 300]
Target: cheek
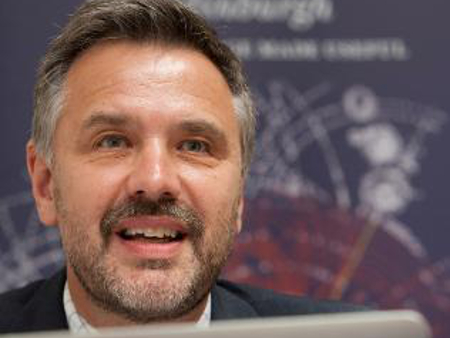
[215, 194]
[85, 191]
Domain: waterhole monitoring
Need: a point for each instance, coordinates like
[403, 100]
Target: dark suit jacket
[39, 306]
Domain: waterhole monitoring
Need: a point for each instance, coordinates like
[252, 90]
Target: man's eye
[112, 141]
[194, 146]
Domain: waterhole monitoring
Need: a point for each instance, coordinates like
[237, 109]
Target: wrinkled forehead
[159, 61]
[155, 46]
[129, 66]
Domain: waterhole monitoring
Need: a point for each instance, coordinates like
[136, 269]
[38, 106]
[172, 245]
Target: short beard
[146, 300]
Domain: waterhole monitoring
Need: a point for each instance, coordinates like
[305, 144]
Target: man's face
[146, 185]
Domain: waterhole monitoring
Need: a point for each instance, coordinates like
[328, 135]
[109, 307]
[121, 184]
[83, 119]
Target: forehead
[134, 77]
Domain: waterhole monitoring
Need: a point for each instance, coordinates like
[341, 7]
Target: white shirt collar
[79, 325]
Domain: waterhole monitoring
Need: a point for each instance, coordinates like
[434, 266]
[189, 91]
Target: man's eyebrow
[201, 127]
[102, 119]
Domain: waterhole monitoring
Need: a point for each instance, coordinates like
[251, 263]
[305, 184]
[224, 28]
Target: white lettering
[287, 50]
[299, 15]
[365, 50]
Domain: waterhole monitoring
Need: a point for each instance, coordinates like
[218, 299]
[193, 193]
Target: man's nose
[154, 174]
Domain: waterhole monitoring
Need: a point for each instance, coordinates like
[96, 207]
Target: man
[142, 136]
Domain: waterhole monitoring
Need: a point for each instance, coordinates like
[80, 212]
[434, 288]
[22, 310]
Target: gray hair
[158, 21]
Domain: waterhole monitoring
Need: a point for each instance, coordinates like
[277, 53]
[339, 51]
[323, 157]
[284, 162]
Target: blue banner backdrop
[348, 195]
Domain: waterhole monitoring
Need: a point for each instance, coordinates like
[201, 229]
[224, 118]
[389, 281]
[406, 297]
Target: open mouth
[153, 235]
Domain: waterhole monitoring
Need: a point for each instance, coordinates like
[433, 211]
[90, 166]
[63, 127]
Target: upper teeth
[152, 233]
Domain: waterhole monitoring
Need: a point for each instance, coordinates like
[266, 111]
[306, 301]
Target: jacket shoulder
[34, 307]
[267, 303]
[13, 302]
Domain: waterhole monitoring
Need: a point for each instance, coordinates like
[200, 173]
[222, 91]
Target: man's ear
[240, 213]
[42, 185]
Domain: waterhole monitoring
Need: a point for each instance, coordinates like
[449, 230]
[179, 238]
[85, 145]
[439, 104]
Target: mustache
[192, 223]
